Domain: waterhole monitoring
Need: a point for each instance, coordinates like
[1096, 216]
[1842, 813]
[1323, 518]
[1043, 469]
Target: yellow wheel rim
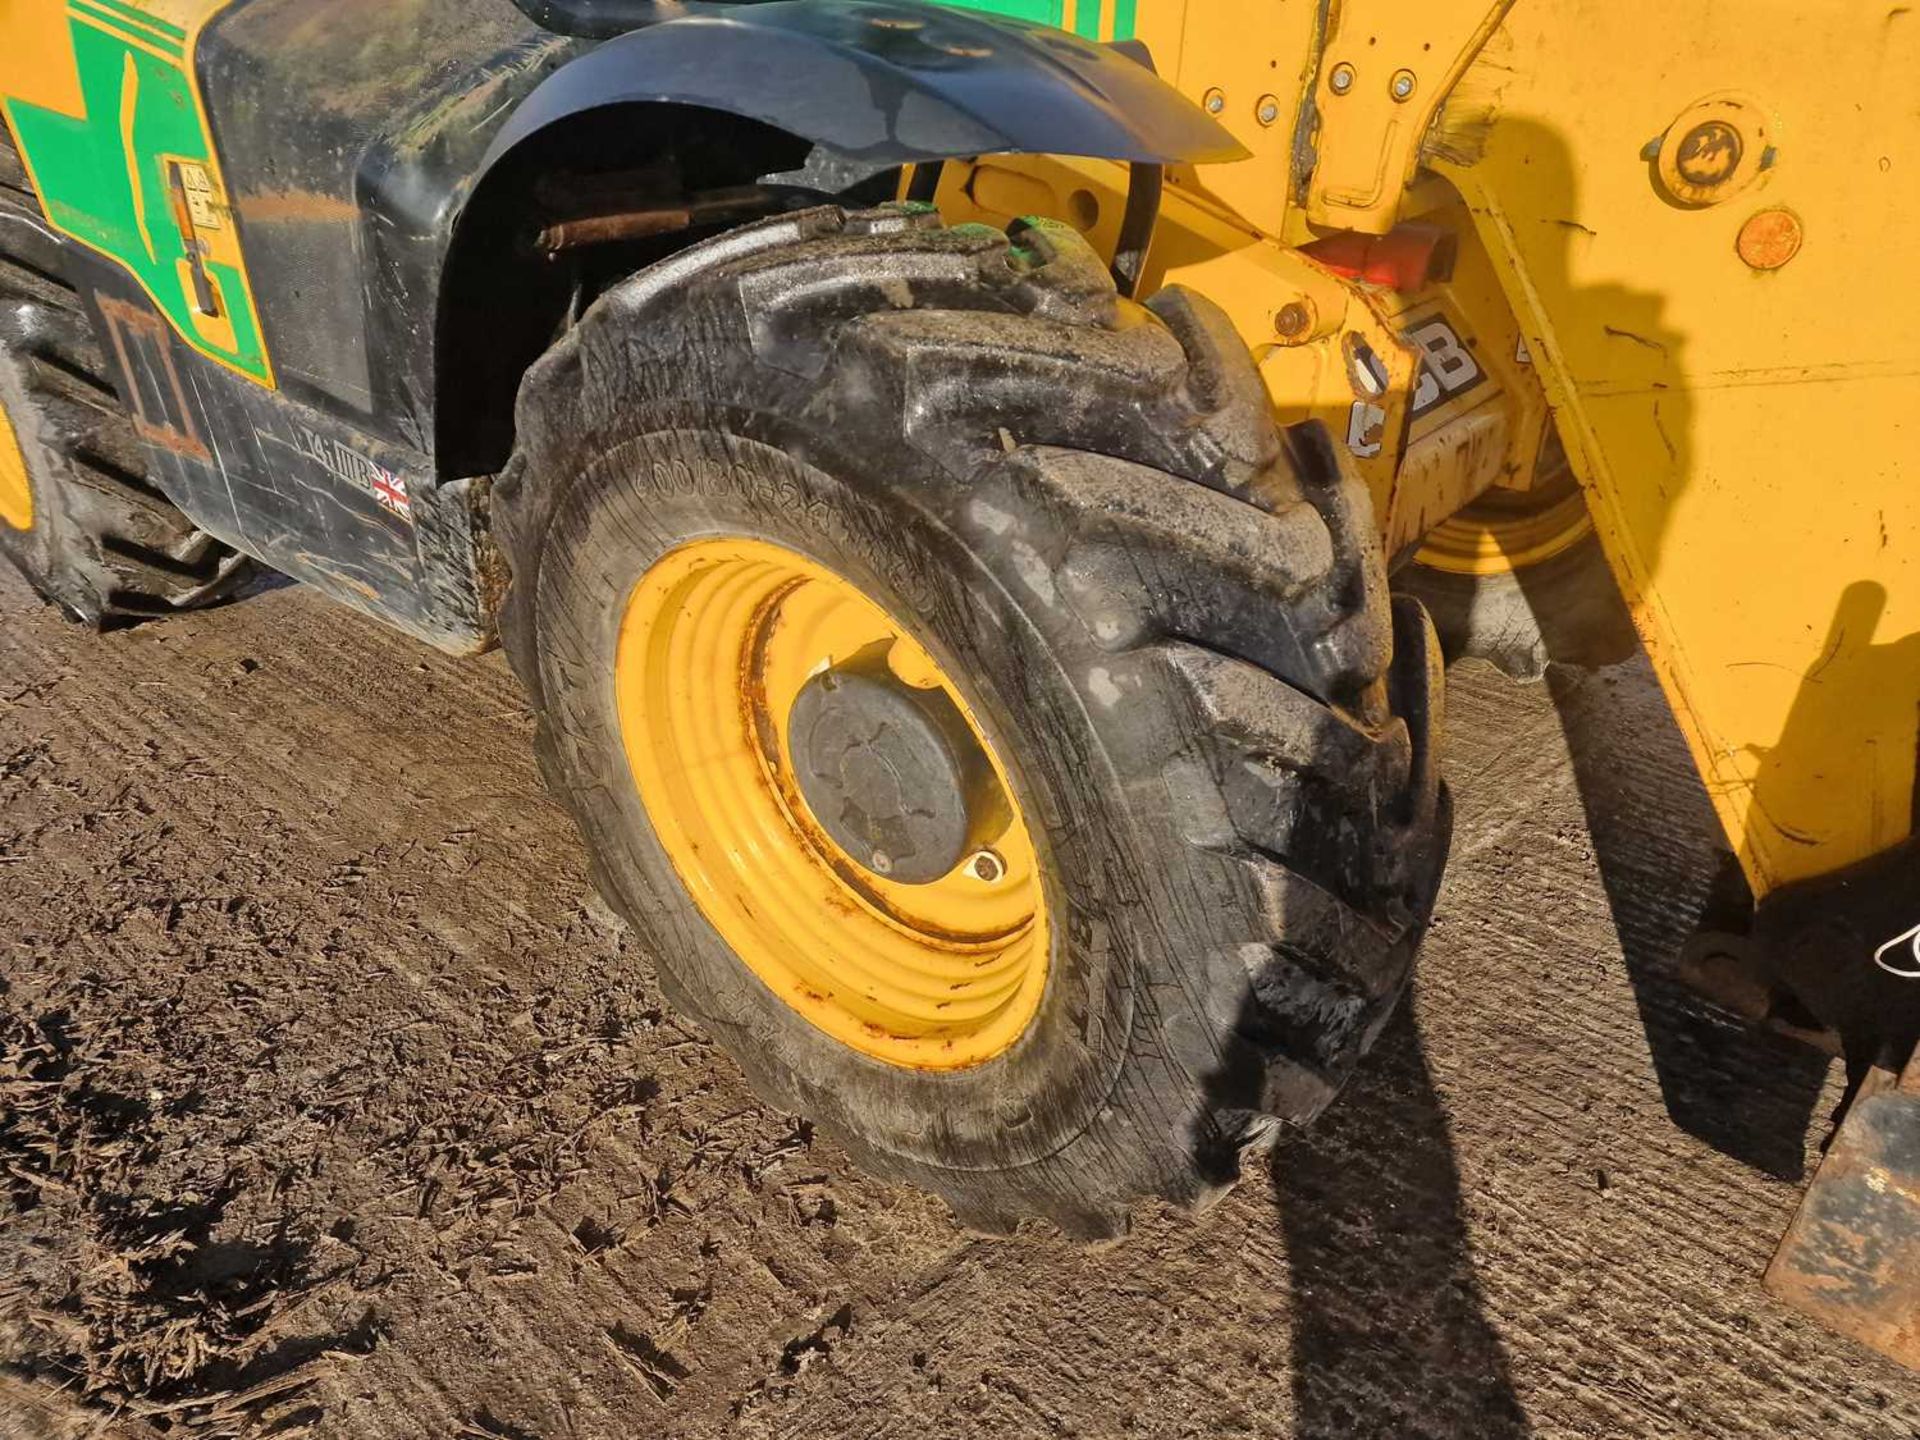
[16, 493]
[1486, 539]
[718, 639]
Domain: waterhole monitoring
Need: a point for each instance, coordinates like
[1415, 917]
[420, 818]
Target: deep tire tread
[1231, 573]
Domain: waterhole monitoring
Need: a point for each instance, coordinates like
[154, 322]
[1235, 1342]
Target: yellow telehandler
[981, 494]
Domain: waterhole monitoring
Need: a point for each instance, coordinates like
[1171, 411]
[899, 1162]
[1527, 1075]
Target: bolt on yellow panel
[1386, 67]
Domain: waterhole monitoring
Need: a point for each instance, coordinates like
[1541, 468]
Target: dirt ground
[335, 1105]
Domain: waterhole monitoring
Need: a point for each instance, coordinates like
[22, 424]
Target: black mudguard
[350, 174]
[354, 133]
[882, 82]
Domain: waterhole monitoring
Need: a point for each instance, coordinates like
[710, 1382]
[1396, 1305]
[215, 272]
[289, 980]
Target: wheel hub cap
[893, 774]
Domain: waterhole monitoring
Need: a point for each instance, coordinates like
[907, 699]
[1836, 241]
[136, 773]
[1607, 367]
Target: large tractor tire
[77, 514]
[1001, 735]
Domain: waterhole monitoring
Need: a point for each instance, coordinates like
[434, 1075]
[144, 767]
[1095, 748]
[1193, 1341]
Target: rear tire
[1556, 604]
[79, 518]
[1171, 621]
[1562, 611]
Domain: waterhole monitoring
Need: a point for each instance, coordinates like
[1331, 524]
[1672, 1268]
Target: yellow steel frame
[1745, 433]
[1719, 325]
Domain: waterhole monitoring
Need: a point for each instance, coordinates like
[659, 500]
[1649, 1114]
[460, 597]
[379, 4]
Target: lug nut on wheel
[987, 866]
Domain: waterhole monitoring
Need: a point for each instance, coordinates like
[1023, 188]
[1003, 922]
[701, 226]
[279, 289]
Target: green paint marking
[152, 22]
[125, 25]
[1040, 12]
[82, 168]
[1054, 12]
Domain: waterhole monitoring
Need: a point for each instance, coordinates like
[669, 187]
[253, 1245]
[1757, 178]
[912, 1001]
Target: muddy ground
[335, 1105]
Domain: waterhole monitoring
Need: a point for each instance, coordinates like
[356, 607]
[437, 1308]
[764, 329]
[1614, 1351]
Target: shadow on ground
[1645, 809]
[1388, 1311]
[1388, 1319]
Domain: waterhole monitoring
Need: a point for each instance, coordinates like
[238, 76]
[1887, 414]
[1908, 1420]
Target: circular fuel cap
[891, 773]
[1712, 150]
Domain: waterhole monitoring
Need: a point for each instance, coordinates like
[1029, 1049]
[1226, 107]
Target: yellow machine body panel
[1741, 407]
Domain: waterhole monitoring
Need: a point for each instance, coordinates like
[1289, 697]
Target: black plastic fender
[884, 83]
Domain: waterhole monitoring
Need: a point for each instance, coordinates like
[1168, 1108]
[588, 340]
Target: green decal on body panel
[123, 163]
[1086, 18]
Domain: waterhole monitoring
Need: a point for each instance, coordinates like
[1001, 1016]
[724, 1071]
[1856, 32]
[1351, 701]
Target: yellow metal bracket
[1384, 71]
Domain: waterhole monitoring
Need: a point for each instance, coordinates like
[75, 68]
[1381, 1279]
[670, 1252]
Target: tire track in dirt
[471, 969]
[299, 877]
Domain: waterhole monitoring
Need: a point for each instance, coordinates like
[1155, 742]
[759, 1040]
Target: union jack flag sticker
[391, 491]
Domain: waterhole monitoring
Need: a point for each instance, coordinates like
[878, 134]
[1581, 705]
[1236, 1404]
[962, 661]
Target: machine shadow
[1855, 712]
[1663, 860]
[1748, 1092]
[1390, 1332]
[1390, 1336]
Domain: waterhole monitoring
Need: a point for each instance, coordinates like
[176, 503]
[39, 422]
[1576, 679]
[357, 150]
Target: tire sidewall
[657, 491]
